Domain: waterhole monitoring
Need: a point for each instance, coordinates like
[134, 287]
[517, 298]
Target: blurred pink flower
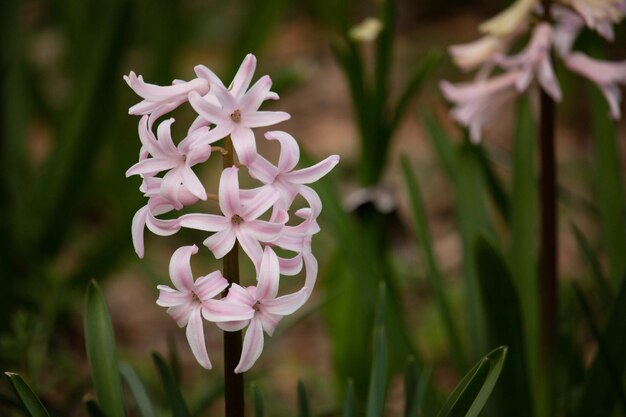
[606, 75]
[190, 301]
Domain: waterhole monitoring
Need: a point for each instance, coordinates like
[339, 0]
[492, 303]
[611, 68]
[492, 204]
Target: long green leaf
[349, 409]
[434, 274]
[609, 186]
[137, 390]
[594, 264]
[100, 344]
[257, 401]
[93, 409]
[171, 387]
[471, 394]
[599, 395]
[378, 378]
[304, 409]
[504, 327]
[411, 389]
[29, 399]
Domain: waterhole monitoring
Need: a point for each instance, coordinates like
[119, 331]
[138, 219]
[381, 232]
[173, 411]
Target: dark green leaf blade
[304, 409]
[29, 399]
[137, 390]
[171, 387]
[100, 344]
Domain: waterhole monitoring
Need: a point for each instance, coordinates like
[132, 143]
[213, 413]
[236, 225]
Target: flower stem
[233, 383]
[548, 248]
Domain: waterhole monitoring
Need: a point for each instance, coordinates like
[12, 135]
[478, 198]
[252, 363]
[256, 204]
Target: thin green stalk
[233, 383]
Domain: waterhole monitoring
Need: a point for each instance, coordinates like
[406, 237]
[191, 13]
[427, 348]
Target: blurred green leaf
[412, 404]
[93, 409]
[504, 327]
[257, 401]
[494, 185]
[378, 378]
[137, 390]
[100, 344]
[609, 186]
[304, 409]
[171, 387]
[600, 392]
[29, 399]
[594, 263]
[471, 394]
[349, 409]
[434, 274]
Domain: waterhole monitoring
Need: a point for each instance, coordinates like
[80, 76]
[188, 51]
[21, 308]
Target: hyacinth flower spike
[189, 301]
[239, 221]
[606, 75]
[268, 308]
[236, 116]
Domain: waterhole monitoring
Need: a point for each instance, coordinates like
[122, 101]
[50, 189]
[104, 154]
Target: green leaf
[378, 378]
[471, 394]
[100, 344]
[411, 389]
[434, 274]
[29, 399]
[594, 263]
[494, 185]
[609, 186]
[171, 387]
[504, 327]
[523, 233]
[257, 401]
[304, 410]
[442, 144]
[349, 409]
[600, 393]
[93, 409]
[137, 390]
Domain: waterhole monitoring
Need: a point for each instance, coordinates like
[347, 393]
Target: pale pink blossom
[513, 19]
[535, 61]
[176, 160]
[236, 115]
[470, 56]
[189, 301]
[238, 222]
[599, 15]
[284, 178]
[476, 103]
[606, 75]
[269, 308]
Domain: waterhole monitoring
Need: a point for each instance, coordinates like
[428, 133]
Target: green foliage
[171, 387]
[28, 398]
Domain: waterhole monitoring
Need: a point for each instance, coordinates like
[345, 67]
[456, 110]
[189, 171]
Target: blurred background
[67, 140]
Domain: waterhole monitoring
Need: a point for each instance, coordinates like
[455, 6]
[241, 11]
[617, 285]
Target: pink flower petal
[169, 297]
[138, 225]
[180, 268]
[242, 79]
[232, 326]
[221, 242]
[244, 143]
[254, 97]
[206, 222]
[252, 346]
[210, 112]
[226, 99]
[209, 286]
[268, 276]
[193, 184]
[290, 266]
[205, 73]
[223, 311]
[269, 322]
[262, 230]
[313, 173]
[250, 246]
[229, 192]
[265, 118]
[262, 170]
[259, 205]
[195, 337]
[286, 304]
[289, 150]
[164, 135]
[151, 166]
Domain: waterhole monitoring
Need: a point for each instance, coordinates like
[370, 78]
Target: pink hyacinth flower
[176, 160]
[535, 60]
[284, 178]
[606, 75]
[479, 102]
[189, 301]
[470, 56]
[237, 115]
[239, 220]
[268, 308]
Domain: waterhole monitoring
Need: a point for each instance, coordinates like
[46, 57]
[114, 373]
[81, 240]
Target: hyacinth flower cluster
[261, 219]
[478, 102]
